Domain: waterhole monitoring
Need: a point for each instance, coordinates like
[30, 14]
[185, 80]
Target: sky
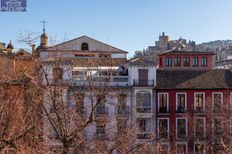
[127, 24]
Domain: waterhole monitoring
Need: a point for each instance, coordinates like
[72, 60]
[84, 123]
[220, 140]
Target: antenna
[43, 22]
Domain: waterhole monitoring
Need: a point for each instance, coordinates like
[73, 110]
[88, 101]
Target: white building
[85, 62]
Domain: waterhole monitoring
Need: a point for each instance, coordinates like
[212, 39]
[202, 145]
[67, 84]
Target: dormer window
[84, 46]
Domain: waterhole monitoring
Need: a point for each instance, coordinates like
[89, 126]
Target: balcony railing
[181, 110]
[123, 111]
[144, 110]
[144, 136]
[101, 110]
[163, 110]
[143, 83]
[101, 80]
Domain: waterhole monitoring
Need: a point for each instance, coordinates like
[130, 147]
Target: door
[143, 77]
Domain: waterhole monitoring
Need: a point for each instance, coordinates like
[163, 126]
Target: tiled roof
[213, 79]
[139, 61]
[185, 52]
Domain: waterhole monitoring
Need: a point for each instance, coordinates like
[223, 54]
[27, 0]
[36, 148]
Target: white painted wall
[133, 72]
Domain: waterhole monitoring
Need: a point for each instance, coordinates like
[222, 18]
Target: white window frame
[213, 123]
[186, 127]
[143, 91]
[221, 99]
[180, 143]
[158, 126]
[185, 95]
[164, 143]
[195, 126]
[148, 124]
[196, 100]
[159, 101]
[204, 144]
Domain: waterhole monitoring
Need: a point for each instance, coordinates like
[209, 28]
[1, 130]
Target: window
[79, 103]
[195, 61]
[168, 61]
[100, 131]
[162, 148]
[163, 105]
[144, 125]
[181, 148]
[177, 61]
[122, 99]
[143, 102]
[204, 61]
[199, 102]
[181, 128]
[218, 127]
[101, 109]
[121, 126]
[217, 102]
[163, 128]
[199, 148]
[161, 61]
[186, 61]
[199, 127]
[84, 46]
[181, 105]
[57, 73]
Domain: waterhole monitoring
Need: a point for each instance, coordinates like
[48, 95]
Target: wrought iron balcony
[143, 83]
[101, 80]
[163, 110]
[123, 111]
[181, 110]
[143, 110]
[145, 135]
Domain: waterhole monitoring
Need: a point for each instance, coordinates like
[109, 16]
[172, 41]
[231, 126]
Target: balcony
[181, 110]
[143, 83]
[163, 110]
[101, 110]
[101, 80]
[144, 110]
[145, 135]
[123, 111]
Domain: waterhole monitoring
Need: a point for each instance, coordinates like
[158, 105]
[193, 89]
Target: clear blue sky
[126, 24]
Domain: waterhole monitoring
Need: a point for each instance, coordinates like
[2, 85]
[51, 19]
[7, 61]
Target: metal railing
[100, 80]
[101, 110]
[122, 110]
[143, 83]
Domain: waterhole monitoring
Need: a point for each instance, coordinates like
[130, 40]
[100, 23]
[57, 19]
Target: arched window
[84, 46]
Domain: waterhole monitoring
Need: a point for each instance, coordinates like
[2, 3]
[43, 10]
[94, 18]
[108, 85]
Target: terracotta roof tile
[213, 79]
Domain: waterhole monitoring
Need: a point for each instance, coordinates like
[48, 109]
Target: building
[193, 104]
[183, 60]
[98, 78]
[180, 106]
